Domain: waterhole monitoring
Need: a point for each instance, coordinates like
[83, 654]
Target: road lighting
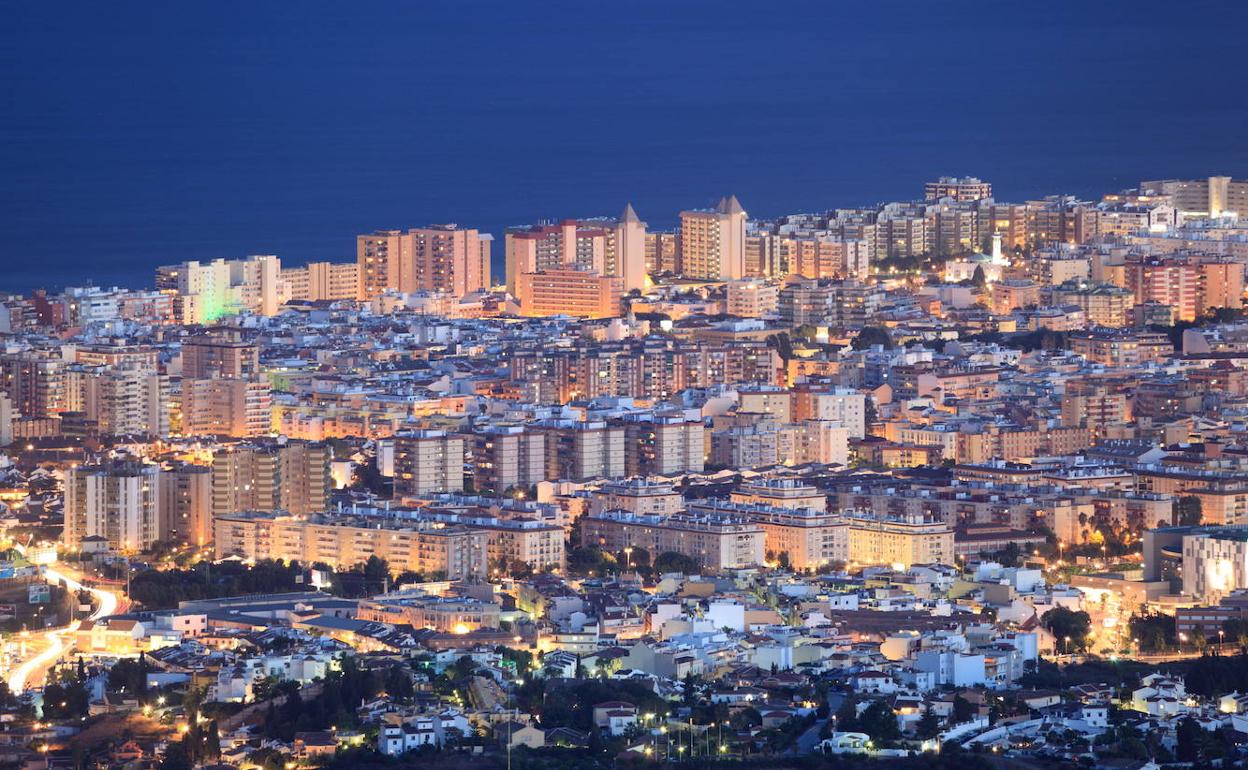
[628, 558]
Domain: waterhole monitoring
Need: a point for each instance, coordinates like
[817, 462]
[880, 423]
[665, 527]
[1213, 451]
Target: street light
[628, 557]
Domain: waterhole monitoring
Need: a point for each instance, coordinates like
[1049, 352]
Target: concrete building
[807, 538]
[506, 456]
[186, 504]
[291, 476]
[428, 462]
[34, 383]
[566, 291]
[900, 540]
[321, 281]
[717, 542]
[644, 498]
[118, 501]
[206, 292]
[712, 241]
[1213, 197]
[1215, 562]
[578, 451]
[238, 408]
[663, 445]
[961, 189]
[341, 541]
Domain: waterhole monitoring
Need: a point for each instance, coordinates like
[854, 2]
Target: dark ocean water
[136, 134]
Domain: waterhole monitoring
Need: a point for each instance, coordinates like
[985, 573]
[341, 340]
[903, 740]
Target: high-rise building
[292, 476]
[663, 445]
[570, 292]
[446, 258]
[1213, 197]
[186, 504]
[118, 501]
[378, 255]
[961, 189]
[238, 408]
[206, 292]
[321, 281]
[570, 245]
[1191, 283]
[428, 462]
[578, 451]
[34, 383]
[506, 456]
[605, 247]
[120, 401]
[662, 252]
[712, 241]
[220, 354]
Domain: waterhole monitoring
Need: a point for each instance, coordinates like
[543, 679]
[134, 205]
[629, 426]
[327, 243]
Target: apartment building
[321, 282]
[342, 541]
[808, 538]
[119, 401]
[716, 542]
[568, 291]
[428, 462]
[206, 292]
[506, 456]
[118, 501]
[578, 451]
[780, 493]
[292, 476]
[899, 540]
[1215, 196]
[961, 189]
[186, 504]
[712, 241]
[644, 498]
[237, 408]
[34, 383]
[663, 445]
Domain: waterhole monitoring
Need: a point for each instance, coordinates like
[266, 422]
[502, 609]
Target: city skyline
[266, 131]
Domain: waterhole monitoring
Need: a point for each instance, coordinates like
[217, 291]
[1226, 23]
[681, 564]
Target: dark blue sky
[135, 134]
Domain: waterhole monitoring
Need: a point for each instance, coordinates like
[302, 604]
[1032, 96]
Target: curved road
[108, 602]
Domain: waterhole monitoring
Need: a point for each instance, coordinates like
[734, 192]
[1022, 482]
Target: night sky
[136, 134]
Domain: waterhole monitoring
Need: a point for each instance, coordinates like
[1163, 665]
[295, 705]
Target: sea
[142, 133]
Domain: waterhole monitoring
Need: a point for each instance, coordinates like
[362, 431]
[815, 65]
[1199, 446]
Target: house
[399, 735]
[873, 682]
[526, 735]
[615, 717]
[313, 745]
[846, 743]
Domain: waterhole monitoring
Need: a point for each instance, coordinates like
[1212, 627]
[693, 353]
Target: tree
[929, 724]
[1188, 511]
[963, 710]
[1066, 624]
[376, 571]
[871, 335]
[1188, 738]
[670, 561]
[1155, 631]
[979, 278]
[878, 721]
[582, 561]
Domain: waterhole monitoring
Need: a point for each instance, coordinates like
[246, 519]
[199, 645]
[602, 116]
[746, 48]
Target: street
[33, 670]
